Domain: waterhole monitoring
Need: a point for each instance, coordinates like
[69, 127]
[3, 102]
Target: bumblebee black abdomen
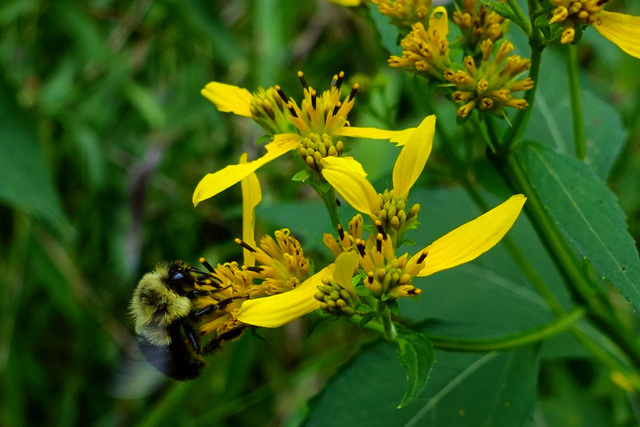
[178, 360]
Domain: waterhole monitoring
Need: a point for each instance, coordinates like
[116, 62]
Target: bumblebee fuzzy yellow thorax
[154, 306]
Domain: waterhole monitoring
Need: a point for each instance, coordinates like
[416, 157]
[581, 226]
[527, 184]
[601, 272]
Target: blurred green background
[103, 137]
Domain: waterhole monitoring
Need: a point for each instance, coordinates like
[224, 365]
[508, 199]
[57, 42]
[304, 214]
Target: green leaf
[503, 10]
[492, 389]
[588, 215]
[146, 104]
[389, 34]
[551, 119]
[25, 181]
[416, 355]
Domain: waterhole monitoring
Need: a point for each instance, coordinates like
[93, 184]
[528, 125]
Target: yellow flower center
[320, 114]
[282, 265]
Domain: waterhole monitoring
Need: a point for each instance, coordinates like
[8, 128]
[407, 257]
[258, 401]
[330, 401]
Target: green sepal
[363, 291]
[363, 309]
[367, 318]
[301, 176]
[417, 356]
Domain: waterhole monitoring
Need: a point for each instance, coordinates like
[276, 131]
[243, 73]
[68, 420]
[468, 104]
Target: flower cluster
[487, 87]
[314, 128]
[490, 87]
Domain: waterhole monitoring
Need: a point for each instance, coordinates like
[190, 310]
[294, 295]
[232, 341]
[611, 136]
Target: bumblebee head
[179, 278]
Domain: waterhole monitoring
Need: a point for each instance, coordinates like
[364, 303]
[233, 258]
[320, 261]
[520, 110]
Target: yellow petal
[349, 3]
[400, 137]
[345, 162]
[472, 239]
[414, 156]
[621, 29]
[275, 311]
[352, 186]
[346, 264]
[438, 21]
[228, 98]
[214, 183]
[251, 196]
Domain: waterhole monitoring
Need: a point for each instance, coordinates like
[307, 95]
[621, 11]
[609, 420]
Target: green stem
[522, 117]
[390, 332]
[576, 107]
[539, 333]
[523, 20]
[329, 199]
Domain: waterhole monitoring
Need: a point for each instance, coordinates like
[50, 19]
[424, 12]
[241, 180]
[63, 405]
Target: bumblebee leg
[215, 342]
[215, 307]
[192, 336]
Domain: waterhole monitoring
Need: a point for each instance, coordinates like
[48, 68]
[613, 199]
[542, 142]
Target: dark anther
[339, 80]
[291, 110]
[337, 108]
[354, 90]
[423, 255]
[206, 264]
[313, 98]
[281, 93]
[245, 245]
[340, 232]
[302, 80]
[379, 242]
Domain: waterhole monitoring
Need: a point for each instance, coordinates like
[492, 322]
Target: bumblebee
[165, 323]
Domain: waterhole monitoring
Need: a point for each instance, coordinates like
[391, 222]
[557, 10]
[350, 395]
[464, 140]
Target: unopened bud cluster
[478, 25]
[487, 86]
[490, 86]
[393, 215]
[404, 13]
[573, 13]
[426, 50]
[314, 148]
[335, 299]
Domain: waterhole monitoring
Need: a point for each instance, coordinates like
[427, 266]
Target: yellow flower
[621, 29]
[386, 274]
[320, 121]
[390, 208]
